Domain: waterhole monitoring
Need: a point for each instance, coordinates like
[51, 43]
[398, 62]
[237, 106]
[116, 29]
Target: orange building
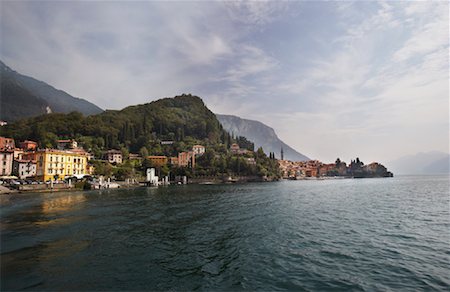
[158, 160]
[186, 159]
[7, 143]
[28, 145]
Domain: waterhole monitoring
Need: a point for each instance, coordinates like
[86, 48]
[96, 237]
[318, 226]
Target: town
[69, 165]
[26, 167]
[27, 164]
[339, 169]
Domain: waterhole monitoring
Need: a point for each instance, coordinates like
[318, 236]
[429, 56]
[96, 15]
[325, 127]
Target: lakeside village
[70, 166]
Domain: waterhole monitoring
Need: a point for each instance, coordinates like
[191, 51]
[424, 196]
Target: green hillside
[184, 120]
[180, 118]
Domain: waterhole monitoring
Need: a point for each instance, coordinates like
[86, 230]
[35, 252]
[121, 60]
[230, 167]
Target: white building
[198, 149]
[6, 162]
[152, 179]
[24, 168]
[114, 156]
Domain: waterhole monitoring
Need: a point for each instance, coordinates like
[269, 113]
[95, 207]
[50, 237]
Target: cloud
[257, 13]
[113, 53]
[333, 78]
[249, 62]
[426, 39]
[373, 92]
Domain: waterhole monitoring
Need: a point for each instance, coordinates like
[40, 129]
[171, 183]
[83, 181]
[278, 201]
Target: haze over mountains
[260, 134]
[433, 162]
[23, 96]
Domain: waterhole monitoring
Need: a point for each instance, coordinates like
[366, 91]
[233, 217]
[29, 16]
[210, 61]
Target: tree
[125, 153]
[143, 151]
[260, 153]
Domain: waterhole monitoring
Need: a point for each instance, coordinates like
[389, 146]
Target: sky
[334, 79]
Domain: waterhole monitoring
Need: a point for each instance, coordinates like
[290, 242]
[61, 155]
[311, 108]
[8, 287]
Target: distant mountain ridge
[433, 162]
[261, 134]
[23, 96]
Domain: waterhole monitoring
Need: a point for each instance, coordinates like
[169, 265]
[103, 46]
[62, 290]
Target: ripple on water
[381, 234]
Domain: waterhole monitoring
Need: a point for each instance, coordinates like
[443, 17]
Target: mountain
[433, 162]
[16, 101]
[261, 134]
[182, 118]
[23, 97]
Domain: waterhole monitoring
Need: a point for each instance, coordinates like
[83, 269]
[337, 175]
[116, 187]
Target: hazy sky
[332, 78]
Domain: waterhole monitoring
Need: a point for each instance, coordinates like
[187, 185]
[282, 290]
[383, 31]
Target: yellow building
[52, 164]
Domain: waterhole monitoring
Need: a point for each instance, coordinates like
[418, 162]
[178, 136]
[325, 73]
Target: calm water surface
[367, 234]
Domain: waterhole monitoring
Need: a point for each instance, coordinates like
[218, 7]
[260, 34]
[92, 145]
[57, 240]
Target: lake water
[355, 234]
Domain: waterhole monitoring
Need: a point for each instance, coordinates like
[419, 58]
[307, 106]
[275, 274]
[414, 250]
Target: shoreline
[195, 181]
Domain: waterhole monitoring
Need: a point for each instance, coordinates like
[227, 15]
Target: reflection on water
[36, 228]
[62, 203]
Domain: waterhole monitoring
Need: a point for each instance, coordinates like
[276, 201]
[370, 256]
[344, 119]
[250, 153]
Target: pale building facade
[114, 156]
[199, 149]
[24, 168]
[6, 162]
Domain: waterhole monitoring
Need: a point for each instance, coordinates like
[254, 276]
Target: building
[29, 156]
[186, 159]
[173, 161]
[325, 169]
[133, 156]
[80, 150]
[66, 144]
[158, 161]
[7, 143]
[53, 164]
[90, 169]
[28, 145]
[90, 156]
[18, 153]
[234, 148]
[24, 168]
[198, 150]
[6, 162]
[114, 156]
